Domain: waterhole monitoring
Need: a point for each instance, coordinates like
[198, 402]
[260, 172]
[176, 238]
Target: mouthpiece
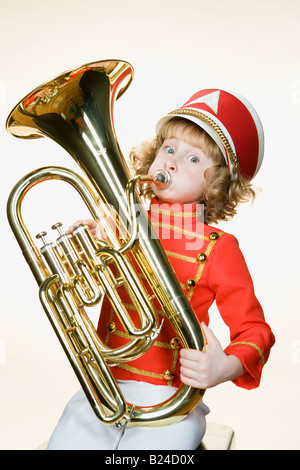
[161, 178]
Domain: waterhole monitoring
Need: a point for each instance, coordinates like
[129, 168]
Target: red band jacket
[210, 267]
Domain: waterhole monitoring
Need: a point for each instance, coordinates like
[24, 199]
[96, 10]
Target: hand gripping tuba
[76, 110]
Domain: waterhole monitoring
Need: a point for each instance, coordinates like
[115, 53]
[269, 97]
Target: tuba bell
[76, 110]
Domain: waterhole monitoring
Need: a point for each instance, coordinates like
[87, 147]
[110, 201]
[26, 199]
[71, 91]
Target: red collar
[180, 215]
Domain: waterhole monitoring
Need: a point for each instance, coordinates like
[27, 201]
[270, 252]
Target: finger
[191, 378]
[191, 354]
[72, 227]
[195, 383]
[193, 365]
[91, 223]
[187, 367]
[188, 374]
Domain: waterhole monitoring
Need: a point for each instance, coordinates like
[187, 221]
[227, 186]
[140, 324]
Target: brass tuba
[76, 110]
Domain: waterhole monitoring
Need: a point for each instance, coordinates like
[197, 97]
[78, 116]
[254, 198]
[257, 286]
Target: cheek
[151, 170]
[155, 165]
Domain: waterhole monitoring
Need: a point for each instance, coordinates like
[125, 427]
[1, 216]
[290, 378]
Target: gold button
[213, 236]
[175, 343]
[111, 326]
[201, 257]
[168, 375]
[190, 284]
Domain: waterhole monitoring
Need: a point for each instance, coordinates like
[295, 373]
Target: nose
[171, 164]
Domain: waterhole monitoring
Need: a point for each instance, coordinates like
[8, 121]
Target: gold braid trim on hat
[218, 131]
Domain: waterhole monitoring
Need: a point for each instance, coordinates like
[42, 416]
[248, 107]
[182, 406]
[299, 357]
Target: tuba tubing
[76, 110]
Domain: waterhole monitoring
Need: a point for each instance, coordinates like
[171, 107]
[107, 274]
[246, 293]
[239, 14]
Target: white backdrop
[176, 48]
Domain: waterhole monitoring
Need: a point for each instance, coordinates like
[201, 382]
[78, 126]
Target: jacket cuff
[252, 359]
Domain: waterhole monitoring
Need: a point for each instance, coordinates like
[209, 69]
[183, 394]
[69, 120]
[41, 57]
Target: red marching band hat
[232, 123]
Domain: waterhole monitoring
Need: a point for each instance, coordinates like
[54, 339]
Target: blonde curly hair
[222, 194]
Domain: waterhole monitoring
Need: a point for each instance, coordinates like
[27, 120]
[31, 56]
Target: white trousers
[80, 429]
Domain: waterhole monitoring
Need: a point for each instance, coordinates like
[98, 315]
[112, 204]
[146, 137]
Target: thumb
[209, 335]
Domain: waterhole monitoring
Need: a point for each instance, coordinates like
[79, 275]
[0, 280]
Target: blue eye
[193, 159]
[170, 150]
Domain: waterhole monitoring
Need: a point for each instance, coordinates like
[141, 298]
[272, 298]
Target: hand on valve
[93, 225]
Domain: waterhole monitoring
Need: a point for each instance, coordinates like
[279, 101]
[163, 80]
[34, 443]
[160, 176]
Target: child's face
[186, 165]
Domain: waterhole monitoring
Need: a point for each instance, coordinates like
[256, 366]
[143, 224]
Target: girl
[211, 147]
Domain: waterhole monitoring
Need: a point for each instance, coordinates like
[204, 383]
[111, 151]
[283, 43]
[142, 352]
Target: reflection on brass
[74, 272]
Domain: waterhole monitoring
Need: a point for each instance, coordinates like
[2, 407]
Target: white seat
[218, 437]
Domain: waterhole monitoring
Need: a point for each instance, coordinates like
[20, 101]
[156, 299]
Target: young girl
[211, 147]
